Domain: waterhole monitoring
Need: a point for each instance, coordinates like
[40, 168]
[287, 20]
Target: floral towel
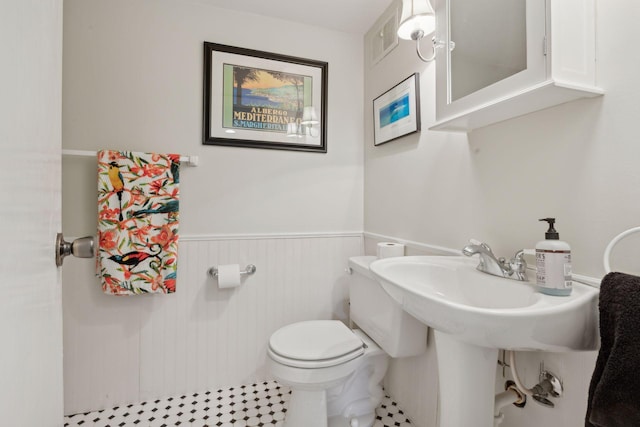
[137, 222]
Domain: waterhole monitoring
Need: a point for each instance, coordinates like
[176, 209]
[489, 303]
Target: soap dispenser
[553, 263]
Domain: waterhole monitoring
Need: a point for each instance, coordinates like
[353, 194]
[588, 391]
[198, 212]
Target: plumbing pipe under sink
[507, 397]
[549, 385]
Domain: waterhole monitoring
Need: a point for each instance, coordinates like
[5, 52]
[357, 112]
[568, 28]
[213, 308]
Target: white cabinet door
[510, 58]
[30, 140]
[499, 49]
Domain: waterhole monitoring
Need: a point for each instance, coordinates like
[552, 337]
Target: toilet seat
[315, 344]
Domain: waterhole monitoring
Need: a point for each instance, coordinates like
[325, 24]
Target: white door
[30, 140]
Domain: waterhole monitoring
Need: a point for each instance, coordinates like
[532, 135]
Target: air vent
[385, 37]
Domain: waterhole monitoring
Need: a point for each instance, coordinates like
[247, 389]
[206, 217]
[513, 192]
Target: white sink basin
[448, 294]
[473, 315]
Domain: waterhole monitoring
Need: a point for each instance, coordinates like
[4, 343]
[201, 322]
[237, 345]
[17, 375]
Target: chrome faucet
[516, 268]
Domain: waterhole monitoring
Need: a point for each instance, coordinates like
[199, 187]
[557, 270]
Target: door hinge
[544, 45]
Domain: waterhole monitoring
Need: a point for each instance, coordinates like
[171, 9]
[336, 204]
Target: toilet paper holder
[249, 269]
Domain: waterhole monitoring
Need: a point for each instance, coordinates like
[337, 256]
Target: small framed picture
[396, 112]
[264, 100]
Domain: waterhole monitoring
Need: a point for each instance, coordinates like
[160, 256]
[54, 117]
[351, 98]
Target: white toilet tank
[398, 333]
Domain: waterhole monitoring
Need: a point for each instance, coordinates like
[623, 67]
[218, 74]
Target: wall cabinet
[507, 58]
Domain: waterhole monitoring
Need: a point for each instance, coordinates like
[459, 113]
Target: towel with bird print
[137, 222]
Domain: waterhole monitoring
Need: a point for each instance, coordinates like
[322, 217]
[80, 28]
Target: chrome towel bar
[614, 241]
[188, 160]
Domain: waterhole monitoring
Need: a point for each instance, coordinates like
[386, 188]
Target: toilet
[335, 373]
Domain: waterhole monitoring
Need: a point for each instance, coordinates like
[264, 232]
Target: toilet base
[345, 395]
[361, 420]
[307, 408]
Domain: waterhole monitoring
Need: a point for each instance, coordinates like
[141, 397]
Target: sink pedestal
[469, 309]
[467, 375]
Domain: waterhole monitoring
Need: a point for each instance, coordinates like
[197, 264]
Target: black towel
[614, 393]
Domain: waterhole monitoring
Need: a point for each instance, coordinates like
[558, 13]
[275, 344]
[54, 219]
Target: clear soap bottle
[553, 263]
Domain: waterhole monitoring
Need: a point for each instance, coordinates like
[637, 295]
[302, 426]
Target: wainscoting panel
[120, 350]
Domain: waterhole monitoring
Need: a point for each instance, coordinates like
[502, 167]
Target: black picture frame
[396, 112]
[280, 110]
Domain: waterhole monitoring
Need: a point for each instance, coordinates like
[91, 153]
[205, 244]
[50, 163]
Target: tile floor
[262, 404]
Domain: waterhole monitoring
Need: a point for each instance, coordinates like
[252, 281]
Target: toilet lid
[316, 340]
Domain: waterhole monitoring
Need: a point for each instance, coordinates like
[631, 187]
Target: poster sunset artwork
[264, 100]
[260, 99]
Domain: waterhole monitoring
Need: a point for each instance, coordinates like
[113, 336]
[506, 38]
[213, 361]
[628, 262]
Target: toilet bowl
[335, 373]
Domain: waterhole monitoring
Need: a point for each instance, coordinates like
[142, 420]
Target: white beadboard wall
[126, 349]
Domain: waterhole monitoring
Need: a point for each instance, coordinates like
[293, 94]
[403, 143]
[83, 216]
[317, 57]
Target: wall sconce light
[418, 20]
[307, 125]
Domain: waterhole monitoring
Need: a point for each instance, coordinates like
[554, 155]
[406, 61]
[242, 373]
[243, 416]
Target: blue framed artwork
[397, 111]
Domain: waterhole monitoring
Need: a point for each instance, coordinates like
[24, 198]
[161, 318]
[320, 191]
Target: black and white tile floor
[263, 404]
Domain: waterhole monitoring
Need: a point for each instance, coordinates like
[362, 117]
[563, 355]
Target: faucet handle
[522, 252]
[479, 243]
[519, 265]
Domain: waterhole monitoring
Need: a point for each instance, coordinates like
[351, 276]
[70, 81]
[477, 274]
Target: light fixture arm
[432, 57]
[418, 35]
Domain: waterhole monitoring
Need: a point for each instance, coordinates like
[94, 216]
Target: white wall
[133, 80]
[576, 162]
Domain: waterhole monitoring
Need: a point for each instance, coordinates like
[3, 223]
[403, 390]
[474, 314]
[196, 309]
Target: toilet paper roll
[390, 249]
[228, 276]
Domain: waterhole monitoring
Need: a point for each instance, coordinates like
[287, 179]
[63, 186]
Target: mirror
[490, 43]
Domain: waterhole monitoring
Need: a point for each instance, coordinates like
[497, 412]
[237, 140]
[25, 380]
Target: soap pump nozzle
[551, 233]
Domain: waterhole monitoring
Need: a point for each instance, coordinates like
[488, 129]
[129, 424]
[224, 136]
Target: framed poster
[264, 100]
[397, 111]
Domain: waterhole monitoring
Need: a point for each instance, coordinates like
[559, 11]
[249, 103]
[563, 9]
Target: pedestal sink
[475, 314]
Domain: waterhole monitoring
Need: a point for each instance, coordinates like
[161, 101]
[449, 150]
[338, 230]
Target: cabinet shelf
[538, 97]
